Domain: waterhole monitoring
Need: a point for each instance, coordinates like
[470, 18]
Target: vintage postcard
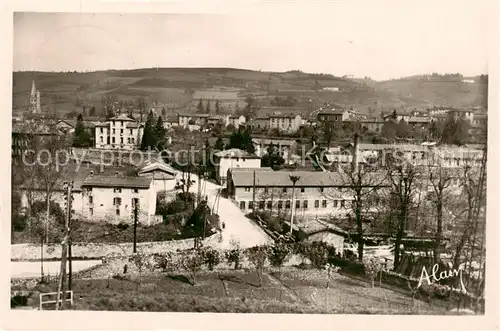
[223, 159]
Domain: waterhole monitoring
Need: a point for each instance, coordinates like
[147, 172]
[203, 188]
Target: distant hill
[178, 89]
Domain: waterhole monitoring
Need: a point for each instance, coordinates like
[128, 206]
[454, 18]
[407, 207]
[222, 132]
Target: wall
[57, 197]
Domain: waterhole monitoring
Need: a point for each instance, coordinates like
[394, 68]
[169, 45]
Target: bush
[19, 222]
[316, 252]
[233, 255]
[257, 255]
[279, 253]
[211, 258]
[163, 261]
[123, 226]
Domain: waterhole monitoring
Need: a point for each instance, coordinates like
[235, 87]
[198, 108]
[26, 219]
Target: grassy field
[237, 291]
[177, 87]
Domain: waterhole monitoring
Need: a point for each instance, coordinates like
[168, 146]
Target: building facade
[120, 132]
[234, 158]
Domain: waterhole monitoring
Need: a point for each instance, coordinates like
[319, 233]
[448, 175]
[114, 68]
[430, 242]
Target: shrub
[279, 253]
[257, 255]
[211, 258]
[123, 226]
[233, 255]
[372, 268]
[316, 252]
[163, 261]
[192, 264]
[19, 222]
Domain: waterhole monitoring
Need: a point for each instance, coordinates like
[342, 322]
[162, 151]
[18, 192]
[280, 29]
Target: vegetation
[82, 137]
[242, 139]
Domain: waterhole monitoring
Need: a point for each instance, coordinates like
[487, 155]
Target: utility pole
[70, 259]
[253, 192]
[135, 226]
[294, 180]
[64, 253]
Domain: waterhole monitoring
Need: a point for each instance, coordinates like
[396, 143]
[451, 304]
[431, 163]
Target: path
[237, 225]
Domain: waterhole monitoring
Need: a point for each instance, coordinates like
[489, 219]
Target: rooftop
[117, 181]
[121, 117]
[278, 142]
[282, 178]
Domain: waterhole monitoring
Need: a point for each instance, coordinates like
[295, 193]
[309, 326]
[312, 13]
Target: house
[26, 135]
[68, 126]
[170, 121]
[164, 177]
[405, 116]
[373, 125]
[114, 198]
[235, 120]
[233, 158]
[317, 230]
[185, 120]
[466, 114]
[285, 122]
[261, 123]
[119, 132]
[332, 116]
[419, 121]
[316, 193]
[285, 147]
[480, 120]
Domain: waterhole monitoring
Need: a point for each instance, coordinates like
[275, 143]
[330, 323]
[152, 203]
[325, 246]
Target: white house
[120, 132]
[164, 176]
[285, 147]
[234, 158]
[114, 198]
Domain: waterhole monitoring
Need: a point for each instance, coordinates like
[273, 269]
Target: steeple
[33, 89]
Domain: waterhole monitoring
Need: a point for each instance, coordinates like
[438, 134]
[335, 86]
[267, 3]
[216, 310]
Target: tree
[233, 254]
[403, 129]
[242, 139]
[402, 177]
[372, 268]
[389, 130]
[200, 106]
[163, 112]
[211, 258]
[160, 133]
[197, 225]
[208, 110]
[272, 158]
[108, 103]
[279, 253]
[439, 182]
[81, 137]
[328, 133]
[192, 264]
[92, 111]
[316, 252]
[455, 131]
[219, 144]
[141, 105]
[257, 256]
[217, 107]
[149, 139]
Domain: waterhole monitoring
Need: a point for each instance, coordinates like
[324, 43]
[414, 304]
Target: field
[177, 88]
[237, 291]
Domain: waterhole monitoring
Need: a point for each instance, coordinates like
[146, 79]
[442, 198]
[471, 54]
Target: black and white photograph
[331, 162]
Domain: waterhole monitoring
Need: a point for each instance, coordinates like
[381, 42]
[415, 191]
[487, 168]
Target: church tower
[34, 99]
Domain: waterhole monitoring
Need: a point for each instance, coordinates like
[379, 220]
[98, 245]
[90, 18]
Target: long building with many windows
[120, 132]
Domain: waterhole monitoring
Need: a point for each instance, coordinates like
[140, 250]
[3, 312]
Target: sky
[382, 40]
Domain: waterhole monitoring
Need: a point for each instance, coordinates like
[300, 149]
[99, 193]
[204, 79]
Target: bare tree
[440, 180]
[402, 199]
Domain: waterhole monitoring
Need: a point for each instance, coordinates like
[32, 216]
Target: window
[316, 203]
[102, 130]
[121, 131]
[89, 189]
[280, 204]
[284, 189]
[113, 124]
[113, 131]
[134, 202]
[335, 203]
[297, 204]
[262, 204]
[250, 205]
[136, 190]
[323, 203]
[117, 201]
[128, 140]
[266, 190]
[131, 131]
[321, 189]
[305, 204]
[117, 212]
[113, 140]
[117, 190]
[287, 204]
[269, 205]
[133, 140]
[102, 139]
[121, 140]
[302, 190]
[91, 211]
[342, 203]
[247, 189]
[91, 199]
[242, 205]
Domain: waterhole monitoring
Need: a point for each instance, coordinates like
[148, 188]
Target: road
[237, 226]
[52, 268]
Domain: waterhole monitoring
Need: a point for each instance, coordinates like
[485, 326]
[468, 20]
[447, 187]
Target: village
[384, 190]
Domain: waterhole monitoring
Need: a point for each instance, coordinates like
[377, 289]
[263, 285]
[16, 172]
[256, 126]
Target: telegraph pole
[253, 192]
[294, 180]
[64, 252]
